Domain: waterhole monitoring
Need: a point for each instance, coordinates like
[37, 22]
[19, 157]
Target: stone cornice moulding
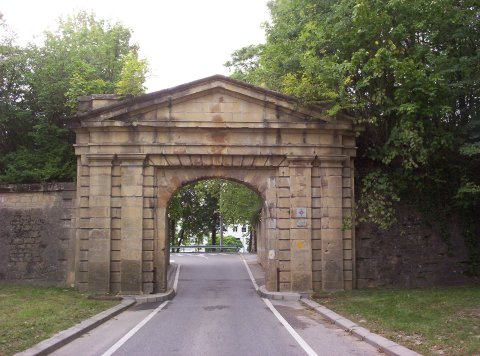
[215, 160]
[131, 159]
[102, 159]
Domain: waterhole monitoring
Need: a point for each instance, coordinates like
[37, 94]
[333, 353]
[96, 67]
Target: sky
[183, 40]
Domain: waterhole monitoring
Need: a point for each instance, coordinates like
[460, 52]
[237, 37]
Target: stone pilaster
[270, 232]
[331, 223]
[99, 212]
[300, 223]
[161, 243]
[131, 223]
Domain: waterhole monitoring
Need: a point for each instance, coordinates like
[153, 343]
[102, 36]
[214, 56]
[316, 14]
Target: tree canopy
[409, 70]
[40, 85]
[194, 211]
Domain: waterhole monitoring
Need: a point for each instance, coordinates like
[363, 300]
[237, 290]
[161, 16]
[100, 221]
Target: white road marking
[133, 331]
[291, 330]
[172, 260]
[250, 273]
[201, 255]
[303, 344]
[179, 255]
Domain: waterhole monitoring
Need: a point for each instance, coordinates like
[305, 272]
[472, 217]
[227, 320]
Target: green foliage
[195, 210]
[229, 240]
[376, 201]
[244, 63]
[132, 76]
[409, 70]
[40, 86]
[30, 314]
[49, 157]
[239, 204]
[430, 321]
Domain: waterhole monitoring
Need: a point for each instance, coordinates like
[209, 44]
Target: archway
[134, 154]
[212, 211]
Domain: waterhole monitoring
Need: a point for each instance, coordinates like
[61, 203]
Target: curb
[264, 293]
[64, 337]
[387, 346]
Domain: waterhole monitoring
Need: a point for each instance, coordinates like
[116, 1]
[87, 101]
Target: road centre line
[303, 344]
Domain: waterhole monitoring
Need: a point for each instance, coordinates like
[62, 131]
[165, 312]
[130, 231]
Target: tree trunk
[214, 234]
[181, 236]
[250, 244]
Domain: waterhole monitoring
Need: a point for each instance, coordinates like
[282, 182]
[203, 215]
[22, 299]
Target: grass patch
[431, 321]
[29, 314]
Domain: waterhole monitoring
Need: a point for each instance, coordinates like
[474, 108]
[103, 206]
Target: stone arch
[134, 154]
[256, 180]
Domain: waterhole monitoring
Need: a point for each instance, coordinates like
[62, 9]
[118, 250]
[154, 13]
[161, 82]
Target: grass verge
[431, 321]
[29, 314]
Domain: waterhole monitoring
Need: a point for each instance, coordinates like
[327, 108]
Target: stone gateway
[135, 153]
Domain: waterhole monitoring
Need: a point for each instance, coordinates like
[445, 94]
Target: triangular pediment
[214, 100]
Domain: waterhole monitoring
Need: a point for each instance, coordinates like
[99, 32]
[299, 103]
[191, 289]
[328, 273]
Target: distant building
[240, 232]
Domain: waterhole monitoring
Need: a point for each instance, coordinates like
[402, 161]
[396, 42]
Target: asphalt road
[216, 312]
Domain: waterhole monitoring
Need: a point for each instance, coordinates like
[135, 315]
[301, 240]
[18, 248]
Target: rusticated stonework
[134, 154]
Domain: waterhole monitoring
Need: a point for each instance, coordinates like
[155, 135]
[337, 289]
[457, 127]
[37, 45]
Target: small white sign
[301, 213]
[301, 223]
[271, 254]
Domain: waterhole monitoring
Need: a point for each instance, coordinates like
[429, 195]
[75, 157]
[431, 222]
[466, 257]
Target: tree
[409, 71]
[85, 55]
[195, 210]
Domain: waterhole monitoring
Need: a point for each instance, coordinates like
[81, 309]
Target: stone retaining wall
[36, 235]
[410, 254]
[37, 243]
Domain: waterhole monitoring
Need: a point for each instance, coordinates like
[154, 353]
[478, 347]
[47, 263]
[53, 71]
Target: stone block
[149, 192]
[283, 255]
[148, 234]
[347, 254]
[301, 235]
[316, 265]
[115, 277]
[348, 265]
[148, 223]
[148, 181]
[99, 223]
[148, 213]
[147, 255]
[147, 266]
[283, 182]
[283, 192]
[335, 222]
[316, 276]
[316, 244]
[283, 234]
[283, 202]
[283, 223]
[284, 265]
[132, 191]
[116, 192]
[285, 276]
[147, 245]
[301, 281]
